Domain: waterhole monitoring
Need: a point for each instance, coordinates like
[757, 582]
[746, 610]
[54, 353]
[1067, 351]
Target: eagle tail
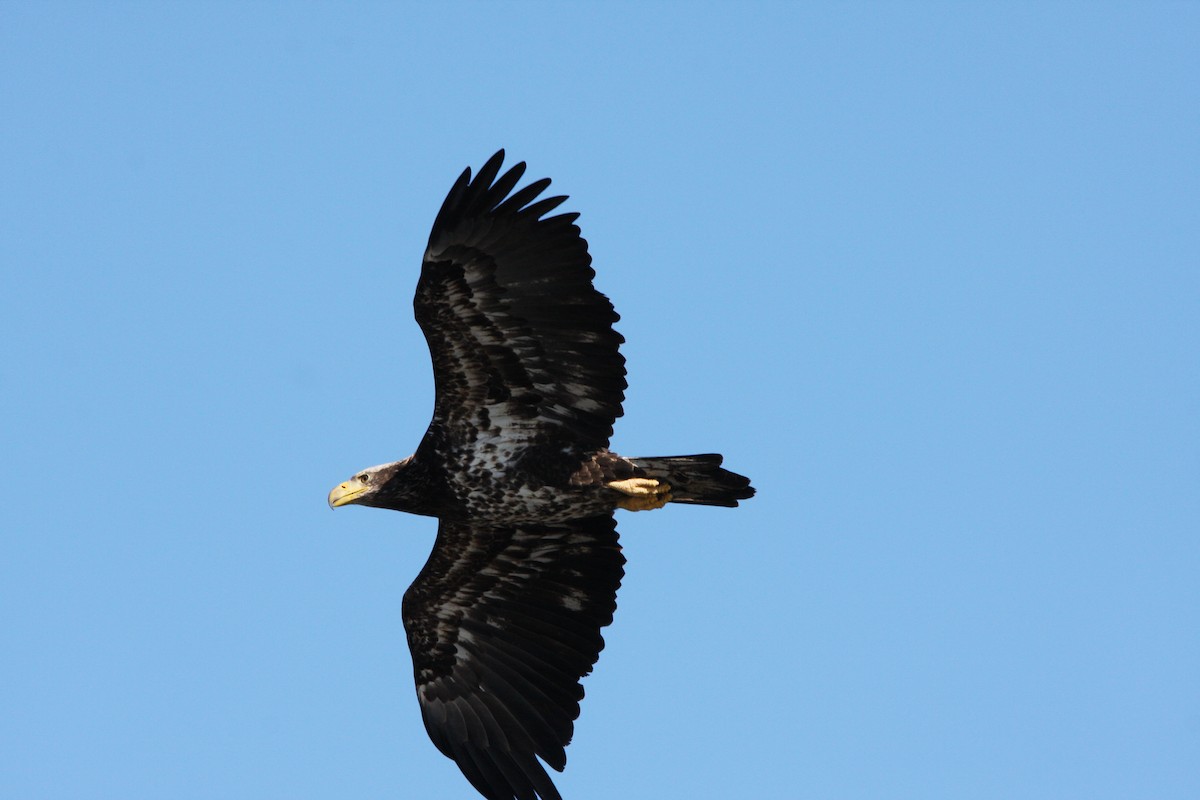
[697, 479]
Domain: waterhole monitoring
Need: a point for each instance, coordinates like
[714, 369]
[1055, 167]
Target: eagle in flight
[505, 618]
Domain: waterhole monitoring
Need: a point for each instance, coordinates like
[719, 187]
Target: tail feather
[697, 479]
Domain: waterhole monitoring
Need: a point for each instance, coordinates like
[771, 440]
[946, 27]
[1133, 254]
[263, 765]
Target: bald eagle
[505, 618]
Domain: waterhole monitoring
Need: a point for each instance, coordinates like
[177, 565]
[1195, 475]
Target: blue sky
[927, 272]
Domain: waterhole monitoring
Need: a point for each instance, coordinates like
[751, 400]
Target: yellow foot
[642, 494]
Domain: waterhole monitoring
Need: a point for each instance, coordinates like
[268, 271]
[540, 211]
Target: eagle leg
[641, 494]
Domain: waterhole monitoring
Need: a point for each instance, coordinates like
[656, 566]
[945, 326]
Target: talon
[635, 486]
[642, 494]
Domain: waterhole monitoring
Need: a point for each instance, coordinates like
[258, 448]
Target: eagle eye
[362, 478]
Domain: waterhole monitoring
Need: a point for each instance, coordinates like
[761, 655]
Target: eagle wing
[522, 344]
[502, 624]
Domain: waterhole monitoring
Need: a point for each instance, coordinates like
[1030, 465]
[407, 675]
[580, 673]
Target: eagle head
[383, 486]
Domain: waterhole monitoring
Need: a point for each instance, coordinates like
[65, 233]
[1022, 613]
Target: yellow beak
[346, 492]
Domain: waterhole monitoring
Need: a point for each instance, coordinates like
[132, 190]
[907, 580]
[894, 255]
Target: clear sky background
[929, 273]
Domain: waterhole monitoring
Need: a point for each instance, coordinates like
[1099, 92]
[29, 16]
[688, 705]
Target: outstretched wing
[522, 343]
[502, 624]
